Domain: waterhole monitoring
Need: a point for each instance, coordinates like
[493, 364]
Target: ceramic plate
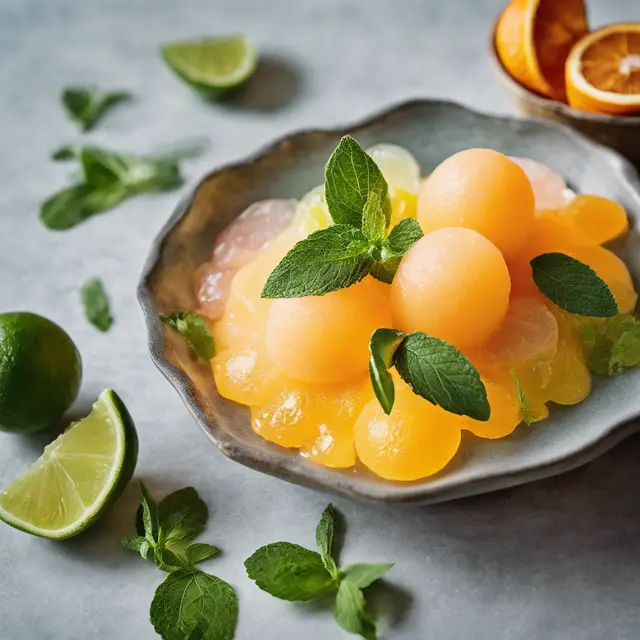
[432, 131]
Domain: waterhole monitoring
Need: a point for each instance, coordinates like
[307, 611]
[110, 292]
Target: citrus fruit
[312, 212]
[213, 66]
[79, 475]
[482, 190]
[40, 372]
[399, 168]
[417, 440]
[439, 282]
[603, 70]
[325, 339]
[533, 39]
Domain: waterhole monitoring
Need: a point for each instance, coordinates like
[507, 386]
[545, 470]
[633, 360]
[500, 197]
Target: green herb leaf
[200, 551]
[362, 574]
[611, 345]
[193, 328]
[351, 176]
[289, 572]
[96, 304]
[167, 560]
[193, 605]
[438, 372]
[182, 516]
[86, 105]
[573, 285]
[66, 153]
[382, 347]
[150, 522]
[145, 547]
[350, 613]
[525, 404]
[134, 543]
[324, 539]
[402, 237]
[374, 223]
[327, 260]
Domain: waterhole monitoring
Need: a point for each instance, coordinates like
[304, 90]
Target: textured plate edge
[319, 478]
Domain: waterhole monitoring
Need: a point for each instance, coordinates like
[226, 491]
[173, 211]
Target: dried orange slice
[533, 40]
[603, 70]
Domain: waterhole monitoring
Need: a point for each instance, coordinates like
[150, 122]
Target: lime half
[78, 476]
[213, 66]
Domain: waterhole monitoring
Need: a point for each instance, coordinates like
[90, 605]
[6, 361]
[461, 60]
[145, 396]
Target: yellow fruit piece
[482, 190]
[325, 339]
[404, 204]
[440, 281]
[506, 412]
[417, 440]
[334, 413]
[312, 212]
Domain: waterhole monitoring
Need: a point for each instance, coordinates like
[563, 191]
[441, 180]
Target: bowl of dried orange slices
[554, 66]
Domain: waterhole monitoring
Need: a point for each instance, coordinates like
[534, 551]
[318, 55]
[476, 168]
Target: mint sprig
[573, 285]
[357, 244]
[291, 572]
[96, 304]
[193, 328]
[382, 348]
[107, 179]
[86, 105]
[189, 603]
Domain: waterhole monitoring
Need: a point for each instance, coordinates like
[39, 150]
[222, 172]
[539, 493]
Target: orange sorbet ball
[325, 339]
[452, 284]
[482, 190]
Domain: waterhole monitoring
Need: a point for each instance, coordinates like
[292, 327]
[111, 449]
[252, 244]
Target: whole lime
[40, 372]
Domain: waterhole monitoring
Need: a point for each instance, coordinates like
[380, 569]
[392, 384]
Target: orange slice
[603, 70]
[533, 40]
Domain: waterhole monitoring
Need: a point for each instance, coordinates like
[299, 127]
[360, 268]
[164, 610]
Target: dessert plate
[432, 131]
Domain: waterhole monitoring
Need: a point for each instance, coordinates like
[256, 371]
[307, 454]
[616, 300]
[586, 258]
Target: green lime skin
[40, 372]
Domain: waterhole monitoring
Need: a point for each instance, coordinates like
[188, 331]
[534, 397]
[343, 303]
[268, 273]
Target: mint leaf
[525, 404]
[200, 551]
[193, 605]
[573, 285]
[382, 347]
[374, 223]
[402, 237]
[66, 153]
[327, 260]
[86, 105]
[193, 328]
[351, 176]
[324, 539]
[611, 345]
[440, 373]
[362, 574]
[167, 560]
[135, 543]
[349, 611]
[96, 304]
[182, 516]
[145, 547]
[289, 572]
[150, 522]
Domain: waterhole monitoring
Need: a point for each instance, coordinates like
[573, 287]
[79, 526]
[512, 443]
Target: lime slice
[79, 475]
[213, 66]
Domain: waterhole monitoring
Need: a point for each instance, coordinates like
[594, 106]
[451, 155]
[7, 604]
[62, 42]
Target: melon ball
[325, 339]
[452, 284]
[482, 190]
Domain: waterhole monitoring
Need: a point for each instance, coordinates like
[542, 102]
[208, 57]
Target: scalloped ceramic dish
[432, 131]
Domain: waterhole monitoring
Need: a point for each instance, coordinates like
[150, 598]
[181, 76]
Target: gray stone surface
[555, 559]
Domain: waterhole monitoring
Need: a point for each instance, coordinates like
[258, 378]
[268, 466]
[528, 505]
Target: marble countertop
[556, 559]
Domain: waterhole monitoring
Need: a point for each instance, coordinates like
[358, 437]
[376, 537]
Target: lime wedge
[79, 475]
[213, 66]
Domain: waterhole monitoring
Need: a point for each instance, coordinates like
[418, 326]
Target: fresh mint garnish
[86, 105]
[441, 374]
[382, 347]
[193, 604]
[107, 179]
[189, 603]
[525, 404]
[611, 345]
[291, 572]
[374, 223]
[573, 286]
[96, 304]
[327, 260]
[351, 176]
[193, 328]
[403, 236]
